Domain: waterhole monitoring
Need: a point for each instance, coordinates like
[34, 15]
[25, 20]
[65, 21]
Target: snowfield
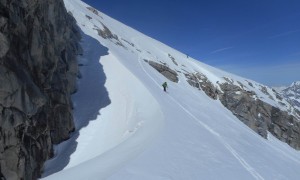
[129, 129]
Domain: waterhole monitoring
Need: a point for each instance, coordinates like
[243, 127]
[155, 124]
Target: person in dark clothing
[165, 86]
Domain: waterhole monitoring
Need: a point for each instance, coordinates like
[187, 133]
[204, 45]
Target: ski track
[241, 160]
[274, 147]
[284, 153]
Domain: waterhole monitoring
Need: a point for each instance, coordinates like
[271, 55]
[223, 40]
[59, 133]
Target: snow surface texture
[140, 132]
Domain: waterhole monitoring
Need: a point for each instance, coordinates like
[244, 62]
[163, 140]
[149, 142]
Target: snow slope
[140, 132]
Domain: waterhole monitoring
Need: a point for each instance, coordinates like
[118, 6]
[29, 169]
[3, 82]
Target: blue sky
[257, 39]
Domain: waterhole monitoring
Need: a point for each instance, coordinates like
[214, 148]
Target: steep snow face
[145, 133]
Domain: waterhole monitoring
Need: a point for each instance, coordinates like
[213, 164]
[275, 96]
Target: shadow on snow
[90, 98]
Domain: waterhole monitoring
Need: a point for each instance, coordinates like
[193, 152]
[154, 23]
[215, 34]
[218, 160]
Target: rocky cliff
[38, 70]
[259, 107]
[251, 110]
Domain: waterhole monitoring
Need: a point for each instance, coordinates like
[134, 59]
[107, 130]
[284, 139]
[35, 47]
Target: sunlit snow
[129, 129]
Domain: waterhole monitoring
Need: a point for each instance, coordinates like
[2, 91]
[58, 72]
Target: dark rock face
[258, 115]
[38, 70]
[254, 113]
[165, 70]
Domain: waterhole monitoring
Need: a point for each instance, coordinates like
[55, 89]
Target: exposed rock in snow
[173, 59]
[200, 81]
[258, 115]
[165, 70]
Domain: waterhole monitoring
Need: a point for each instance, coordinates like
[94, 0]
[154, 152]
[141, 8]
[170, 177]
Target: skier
[165, 85]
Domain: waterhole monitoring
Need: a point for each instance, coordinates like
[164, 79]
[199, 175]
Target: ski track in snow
[241, 160]
[282, 152]
[132, 153]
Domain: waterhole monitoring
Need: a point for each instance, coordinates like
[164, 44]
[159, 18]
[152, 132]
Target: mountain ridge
[214, 75]
[198, 136]
[292, 94]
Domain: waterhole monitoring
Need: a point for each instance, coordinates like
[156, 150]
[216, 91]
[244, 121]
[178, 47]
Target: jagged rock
[247, 109]
[173, 59]
[164, 70]
[4, 45]
[265, 91]
[107, 34]
[258, 115]
[38, 71]
[89, 17]
[93, 10]
[200, 81]
[18, 93]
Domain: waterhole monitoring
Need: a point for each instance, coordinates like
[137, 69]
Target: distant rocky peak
[297, 83]
[292, 94]
[294, 88]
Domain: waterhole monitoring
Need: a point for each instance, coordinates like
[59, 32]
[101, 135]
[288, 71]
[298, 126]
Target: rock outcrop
[38, 70]
[260, 116]
[255, 113]
[164, 70]
[200, 81]
[173, 59]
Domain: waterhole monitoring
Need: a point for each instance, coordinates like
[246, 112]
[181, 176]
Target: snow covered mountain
[210, 124]
[292, 94]
[279, 88]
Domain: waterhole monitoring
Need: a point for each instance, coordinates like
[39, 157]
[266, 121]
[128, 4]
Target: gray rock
[107, 34]
[4, 45]
[93, 10]
[38, 73]
[200, 81]
[173, 59]
[258, 115]
[165, 70]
